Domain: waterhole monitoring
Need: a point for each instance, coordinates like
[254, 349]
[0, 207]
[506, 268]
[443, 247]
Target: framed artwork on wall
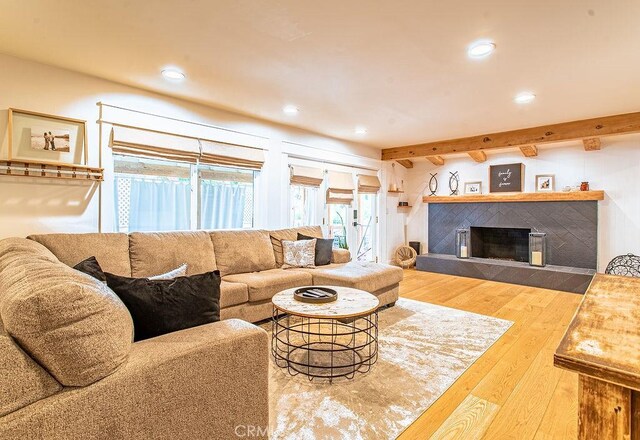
[506, 178]
[545, 183]
[46, 139]
[473, 188]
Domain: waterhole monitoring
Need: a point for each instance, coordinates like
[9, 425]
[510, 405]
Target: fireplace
[500, 243]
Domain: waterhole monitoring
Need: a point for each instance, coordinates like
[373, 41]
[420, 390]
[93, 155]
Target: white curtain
[222, 205]
[159, 204]
[311, 207]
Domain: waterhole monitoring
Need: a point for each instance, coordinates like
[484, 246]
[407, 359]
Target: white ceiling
[398, 68]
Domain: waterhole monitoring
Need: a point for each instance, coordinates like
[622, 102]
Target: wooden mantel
[519, 197]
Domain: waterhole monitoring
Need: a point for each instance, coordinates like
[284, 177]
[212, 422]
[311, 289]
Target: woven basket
[405, 257]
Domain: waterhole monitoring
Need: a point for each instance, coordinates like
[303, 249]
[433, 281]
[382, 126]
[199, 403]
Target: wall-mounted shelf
[395, 192]
[22, 168]
[519, 197]
[405, 206]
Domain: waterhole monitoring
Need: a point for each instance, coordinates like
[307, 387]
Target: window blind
[368, 184]
[137, 142]
[306, 176]
[340, 188]
[218, 153]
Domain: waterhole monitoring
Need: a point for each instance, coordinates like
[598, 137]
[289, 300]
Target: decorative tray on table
[315, 295]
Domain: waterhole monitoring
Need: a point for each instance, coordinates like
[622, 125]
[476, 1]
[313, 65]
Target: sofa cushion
[369, 277]
[323, 251]
[263, 285]
[70, 323]
[152, 253]
[300, 253]
[164, 306]
[340, 256]
[290, 234]
[111, 250]
[233, 294]
[243, 251]
[22, 381]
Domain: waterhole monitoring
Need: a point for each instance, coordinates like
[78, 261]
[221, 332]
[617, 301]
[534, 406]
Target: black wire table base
[323, 348]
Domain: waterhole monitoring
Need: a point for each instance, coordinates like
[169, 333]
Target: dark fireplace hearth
[500, 243]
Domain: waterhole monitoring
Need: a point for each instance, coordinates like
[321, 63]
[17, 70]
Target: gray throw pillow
[324, 249]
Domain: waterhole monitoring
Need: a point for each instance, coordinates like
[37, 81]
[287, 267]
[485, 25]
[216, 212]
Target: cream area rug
[423, 349]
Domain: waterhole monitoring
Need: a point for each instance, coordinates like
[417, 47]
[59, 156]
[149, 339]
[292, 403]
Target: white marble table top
[350, 303]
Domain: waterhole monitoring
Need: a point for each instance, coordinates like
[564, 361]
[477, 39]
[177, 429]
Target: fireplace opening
[500, 243]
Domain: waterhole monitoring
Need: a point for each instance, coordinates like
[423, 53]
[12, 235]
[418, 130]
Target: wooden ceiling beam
[591, 144]
[478, 156]
[436, 160]
[566, 131]
[405, 163]
[529, 150]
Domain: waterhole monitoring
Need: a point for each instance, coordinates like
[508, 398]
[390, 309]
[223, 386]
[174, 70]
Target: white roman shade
[340, 188]
[218, 153]
[140, 142]
[368, 184]
[306, 176]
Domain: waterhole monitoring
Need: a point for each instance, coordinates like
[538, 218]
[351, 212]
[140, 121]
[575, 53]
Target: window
[226, 198]
[304, 203]
[152, 195]
[338, 218]
[367, 226]
[161, 195]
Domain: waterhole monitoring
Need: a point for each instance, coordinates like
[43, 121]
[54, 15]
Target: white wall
[30, 206]
[614, 169]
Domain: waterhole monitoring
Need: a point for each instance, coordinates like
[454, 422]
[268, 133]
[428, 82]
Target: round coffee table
[331, 340]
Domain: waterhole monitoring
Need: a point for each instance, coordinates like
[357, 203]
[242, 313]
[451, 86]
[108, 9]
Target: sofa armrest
[340, 256]
[210, 381]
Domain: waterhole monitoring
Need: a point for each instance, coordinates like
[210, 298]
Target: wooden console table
[602, 345]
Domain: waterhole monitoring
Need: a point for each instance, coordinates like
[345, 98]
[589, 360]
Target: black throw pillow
[164, 306]
[90, 266]
[324, 249]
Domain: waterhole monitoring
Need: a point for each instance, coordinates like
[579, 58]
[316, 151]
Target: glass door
[367, 227]
[338, 225]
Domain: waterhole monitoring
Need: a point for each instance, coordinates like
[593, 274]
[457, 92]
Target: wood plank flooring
[513, 391]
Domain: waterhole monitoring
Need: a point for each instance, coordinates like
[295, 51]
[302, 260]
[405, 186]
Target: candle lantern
[537, 249]
[463, 249]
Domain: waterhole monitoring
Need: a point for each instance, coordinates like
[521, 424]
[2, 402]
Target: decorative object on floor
[424, 349]
[327, 340]
[624, 265]
[538, 249]
[433, 184]
[473, 187]
[454, 183]
[315, 295]
[405, 256]
[463, 244]
[546, 183]
[584, 186]
[46, 139]
[506, 178]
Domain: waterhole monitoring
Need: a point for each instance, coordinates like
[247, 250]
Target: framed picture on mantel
[506, 178]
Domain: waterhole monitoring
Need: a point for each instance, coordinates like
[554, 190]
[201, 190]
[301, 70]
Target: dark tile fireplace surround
[500, 242]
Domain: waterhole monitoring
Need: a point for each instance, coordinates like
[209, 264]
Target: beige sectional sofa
[70, 369]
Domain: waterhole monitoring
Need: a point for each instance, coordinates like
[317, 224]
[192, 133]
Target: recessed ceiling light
[290, 109]
[524, 98]
[360, 130]
[173, 74]
[481, 49]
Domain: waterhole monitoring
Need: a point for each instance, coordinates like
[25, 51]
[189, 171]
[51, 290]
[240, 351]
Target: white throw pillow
[301, 253]
[179, 271]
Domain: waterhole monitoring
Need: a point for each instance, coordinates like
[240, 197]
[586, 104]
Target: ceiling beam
[529, 150]
[405, 163]
[591, 144]
[566, 131]
[436, 160]
[478, 156]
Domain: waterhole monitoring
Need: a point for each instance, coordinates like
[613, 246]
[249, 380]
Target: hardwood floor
[513, 391]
